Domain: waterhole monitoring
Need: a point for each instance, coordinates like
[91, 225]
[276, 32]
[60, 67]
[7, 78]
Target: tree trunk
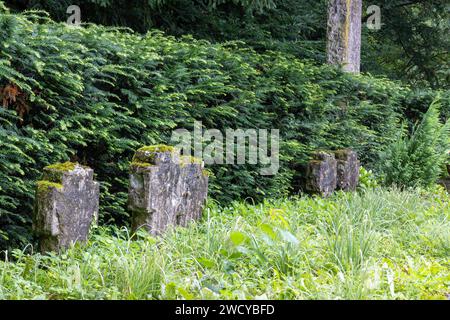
[344, 34]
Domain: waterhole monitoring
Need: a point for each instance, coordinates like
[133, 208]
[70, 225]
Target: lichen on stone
[44, 186]
[64, 211]
[166, 189]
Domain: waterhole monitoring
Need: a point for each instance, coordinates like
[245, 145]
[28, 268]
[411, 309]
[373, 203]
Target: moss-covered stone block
[166, 189]
[148, 156]
[321, 174]
[66, 203]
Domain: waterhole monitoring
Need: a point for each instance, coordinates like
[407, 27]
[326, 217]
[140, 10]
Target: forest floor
[374, 244]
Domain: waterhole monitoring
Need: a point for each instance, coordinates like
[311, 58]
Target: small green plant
[418, 159]
[367, 179]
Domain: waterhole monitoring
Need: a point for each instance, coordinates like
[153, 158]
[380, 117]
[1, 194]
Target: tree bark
[344, 34]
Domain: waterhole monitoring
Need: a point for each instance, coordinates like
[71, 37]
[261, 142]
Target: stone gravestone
[347, 169]
[66, 203]
[321, 174]
[166, 189]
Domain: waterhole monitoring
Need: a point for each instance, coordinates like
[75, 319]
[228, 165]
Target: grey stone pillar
[347, 169]
[165, 189]
[321, 174]
[66, 203]
[344, 34]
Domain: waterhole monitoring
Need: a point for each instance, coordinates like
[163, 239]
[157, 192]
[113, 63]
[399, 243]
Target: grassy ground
[377, 244]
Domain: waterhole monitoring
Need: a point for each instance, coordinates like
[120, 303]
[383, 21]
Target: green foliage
[3, 8]
[94, 95]
[418, 160]
[412, 43]
[367, 179]
[144, 15]
[417, 103]
[379, 244]
[296, 27]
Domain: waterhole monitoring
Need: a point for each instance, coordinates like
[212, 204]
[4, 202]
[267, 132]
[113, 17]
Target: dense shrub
[417, 103]
[419, 159]
[412, 44]
[94, 94]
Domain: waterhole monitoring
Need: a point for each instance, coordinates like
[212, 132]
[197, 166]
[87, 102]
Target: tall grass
[378, 244]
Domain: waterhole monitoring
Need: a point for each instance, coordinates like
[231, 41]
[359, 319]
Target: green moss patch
[66, 166]
[145, 156]
[55, 172]
[44, 186]
[157, 148]
[137, 164]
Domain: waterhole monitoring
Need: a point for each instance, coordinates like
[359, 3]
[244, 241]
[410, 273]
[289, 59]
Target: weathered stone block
[166, 189]
[347, 169]
[321, 174]
[66, 203]
[344, 34]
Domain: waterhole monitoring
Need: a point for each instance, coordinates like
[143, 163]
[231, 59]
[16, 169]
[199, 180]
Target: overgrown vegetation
[95, 94]
[419, 159]
[379, 244]
[412, 44]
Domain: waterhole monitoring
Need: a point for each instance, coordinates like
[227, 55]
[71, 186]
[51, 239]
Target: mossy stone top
[53, 175]
[322, 155]
[151, 155]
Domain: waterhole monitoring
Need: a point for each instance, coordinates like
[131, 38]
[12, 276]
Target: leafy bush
[419, 159]
[95, 94]
[412, 44]
[379, 244]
